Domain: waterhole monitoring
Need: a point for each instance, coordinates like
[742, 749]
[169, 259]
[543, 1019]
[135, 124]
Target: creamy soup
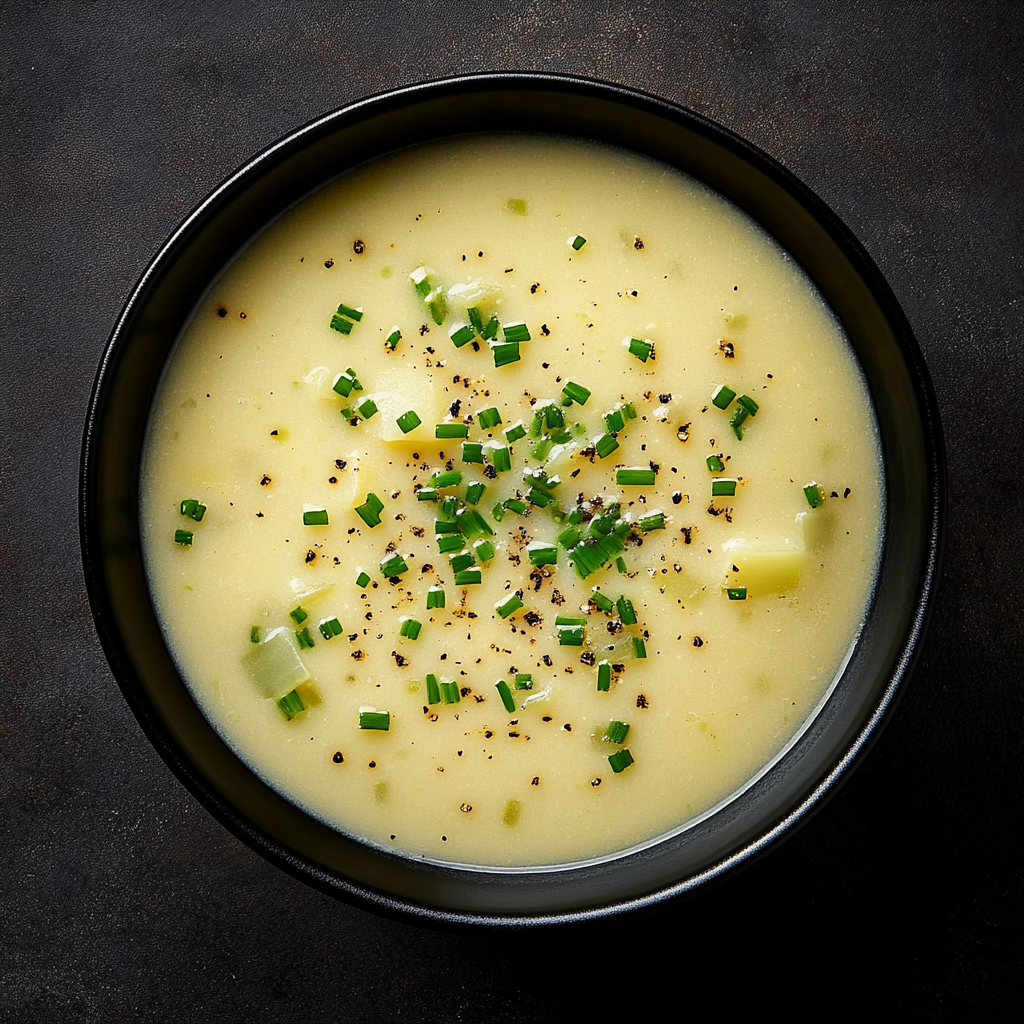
[511, 501]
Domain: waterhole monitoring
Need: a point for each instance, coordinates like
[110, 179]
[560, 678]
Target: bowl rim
[92, 546]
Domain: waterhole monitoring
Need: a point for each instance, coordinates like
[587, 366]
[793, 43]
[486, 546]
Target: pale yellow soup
[247, 423]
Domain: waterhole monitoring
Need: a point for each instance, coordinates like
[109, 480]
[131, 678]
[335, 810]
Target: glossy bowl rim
[250, 172]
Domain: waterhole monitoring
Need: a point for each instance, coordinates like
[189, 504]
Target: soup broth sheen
[744, 570]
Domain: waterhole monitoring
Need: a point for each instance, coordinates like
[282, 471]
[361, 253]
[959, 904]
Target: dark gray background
[122, 899]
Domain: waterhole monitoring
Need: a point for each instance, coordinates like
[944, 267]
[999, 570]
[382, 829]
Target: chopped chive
[516, 331]
[577, 242]
[450, 692]
[723, 487]
[511, 604]
[537, 423]
[303, 638]
[379, 720]
[426, 494]
[603, 601]
[451, 431]
[813, 493]
[570, 636]
[352, 314]
[194, 509]
[620, 564]
[488, 418]
[553, 416]
[541, 448]
[505, 353]
[474, 523]
[298, 615]
[314, 517]
[291, 704]
[183, 537]
[749, 404]
[524, 681]
[341, 325]
[569, 536]
[715, 464]
[433, 690]
[393, 338]
[256, 635]
[490, 330]
[605, 445]
[642, 348]
[736, 593]
[613, 421]
[506, 696]
[393, 566]
[539, 497]
[438, 306]
[468, 577]
[374, 502]
[722, 396]
[450, 478]
[461, 334]
[435, 598]
[420, 278]
[484, 550]
[516, 505]
[369, 512]
[472, 451]
[654, 520]
[410, 628]
[448, 542]
[367, 408]
[541, 553]
[448, 509]
[498, 512]
[736, 421]
[576, 392]
[445, 525]
[627, 613]
[620, 760]
[639, 647]
[461, 561]
[408, 421]
[475, 318]
[362, 581]
[570, 620]
[329, 628]
[604, 675]
[474, 492]
[515, 432]
[628, 411]
[617, 731]
[501, 460]
[635, 476]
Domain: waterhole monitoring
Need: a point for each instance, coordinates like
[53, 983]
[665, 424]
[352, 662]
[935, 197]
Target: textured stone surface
[122, 899]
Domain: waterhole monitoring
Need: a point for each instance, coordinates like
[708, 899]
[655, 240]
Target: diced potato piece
[274, 665]
[402, 389]
[764, 569]
[321, 380]
[308, 593]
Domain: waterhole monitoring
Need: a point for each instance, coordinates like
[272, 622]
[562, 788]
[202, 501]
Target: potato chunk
[401, 389]
[764, 568]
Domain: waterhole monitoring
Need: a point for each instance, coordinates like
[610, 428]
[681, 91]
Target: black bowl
[251, 198]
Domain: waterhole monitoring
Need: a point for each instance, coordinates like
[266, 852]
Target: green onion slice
[313, 515]
[393, 338]
[541, 553]
[620, 760]
[433, 690]
[451, 431]
[715, 464]
[635, 476]
[639, 647]
[341, 325]
[516, 331]
[814, 494]
[524, 681]
[722, 396]
[393, 565]
[616, 732]
[577, 242]
[723, 487]
[183, 537]
[627, 613]
[505, 353]
[472, 451]
[488, 418]
[461, 334]
[450, 478]
[468, 577]
[642, 348]
[435, 598]
[474, 492]
[749, 404]
[484, 550]
[370, 718]
[304, 638]
[291, 704]
[604, 676]
[362, 581]
[410, 628]
[330, 628]
[654, 520]
[605, 445]
[511, 604]
[515, 432]
[298, 615]
[352, 314]
[408, 421]
[506, 696]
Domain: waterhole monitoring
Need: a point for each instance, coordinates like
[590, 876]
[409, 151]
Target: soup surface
[648, 587]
